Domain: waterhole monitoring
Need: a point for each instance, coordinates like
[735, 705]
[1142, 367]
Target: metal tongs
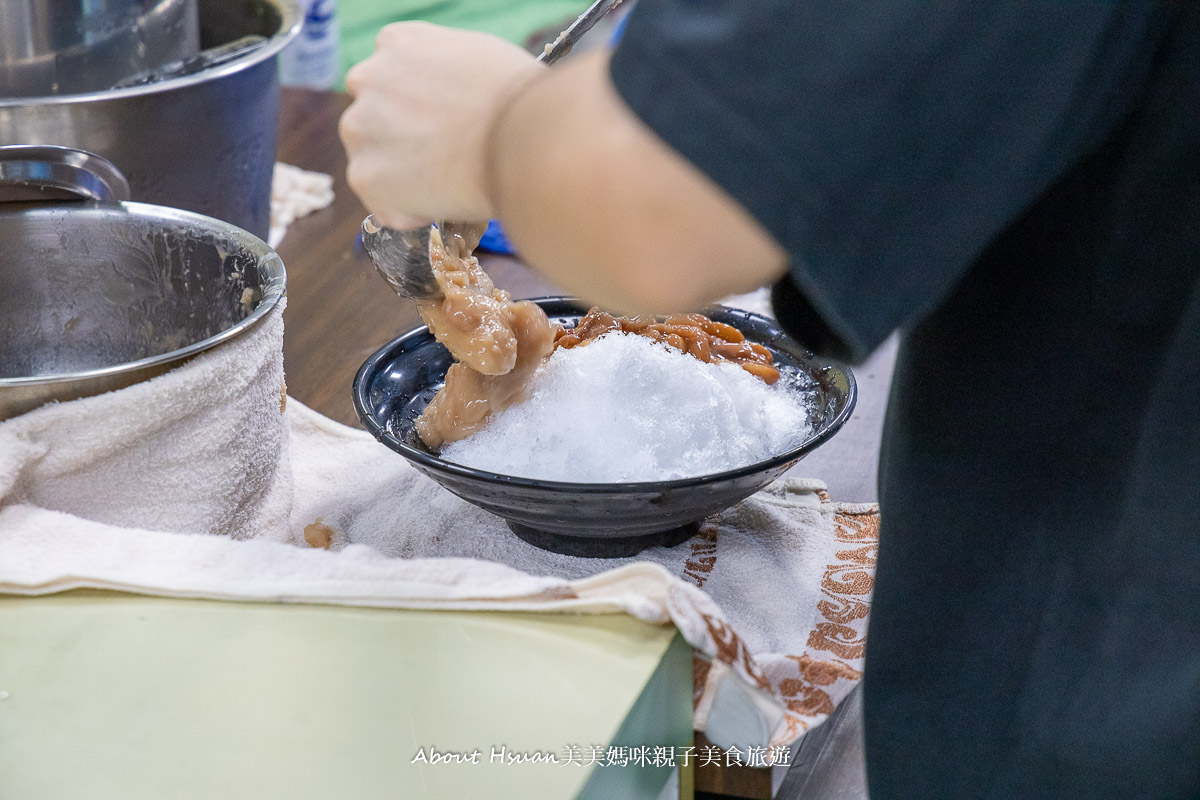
[402, 257]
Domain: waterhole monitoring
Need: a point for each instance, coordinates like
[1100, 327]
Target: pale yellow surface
[120, 696]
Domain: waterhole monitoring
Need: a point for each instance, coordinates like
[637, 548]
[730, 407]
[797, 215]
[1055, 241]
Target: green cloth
[514, 20]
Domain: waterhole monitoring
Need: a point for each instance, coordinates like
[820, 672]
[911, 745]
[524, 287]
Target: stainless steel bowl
[204, 142]
[98, 296]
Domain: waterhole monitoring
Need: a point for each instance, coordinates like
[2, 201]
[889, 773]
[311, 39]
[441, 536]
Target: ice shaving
[627, 409]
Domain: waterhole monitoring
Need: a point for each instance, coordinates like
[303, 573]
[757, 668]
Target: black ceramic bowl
[587, 519]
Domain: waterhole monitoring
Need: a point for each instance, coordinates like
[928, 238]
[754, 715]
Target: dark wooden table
[340, 311]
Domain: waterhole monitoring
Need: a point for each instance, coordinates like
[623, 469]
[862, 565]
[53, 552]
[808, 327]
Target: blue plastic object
[494, 240]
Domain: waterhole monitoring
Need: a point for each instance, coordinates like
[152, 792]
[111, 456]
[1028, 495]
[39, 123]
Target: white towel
[295, 193]
[201, 449]
[99, 493]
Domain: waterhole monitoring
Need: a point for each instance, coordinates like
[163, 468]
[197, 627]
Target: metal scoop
[402, 257]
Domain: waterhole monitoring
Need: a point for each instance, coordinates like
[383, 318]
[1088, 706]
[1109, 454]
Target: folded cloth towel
[295, 193]
[791, 570]
[201, 449]
[772, 594]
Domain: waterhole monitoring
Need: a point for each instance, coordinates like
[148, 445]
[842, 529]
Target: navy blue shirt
[1016, 186]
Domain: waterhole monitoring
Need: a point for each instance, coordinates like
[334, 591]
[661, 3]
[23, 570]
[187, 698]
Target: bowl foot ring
[602, 546]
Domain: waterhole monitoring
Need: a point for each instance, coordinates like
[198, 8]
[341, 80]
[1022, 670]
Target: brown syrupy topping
[694, 334]
[471, 317]
[318, 534]
[497, 343]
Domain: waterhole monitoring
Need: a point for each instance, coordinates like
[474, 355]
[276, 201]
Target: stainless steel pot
[70, 46]
[96, 296]
[204, 142]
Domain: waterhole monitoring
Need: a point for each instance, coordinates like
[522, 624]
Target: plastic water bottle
[312, 57]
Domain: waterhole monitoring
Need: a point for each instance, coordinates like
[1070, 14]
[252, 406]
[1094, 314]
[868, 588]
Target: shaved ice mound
[625, 409]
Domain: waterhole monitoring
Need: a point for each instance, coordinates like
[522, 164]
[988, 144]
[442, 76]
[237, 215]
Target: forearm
[598, 203]
[591, 196]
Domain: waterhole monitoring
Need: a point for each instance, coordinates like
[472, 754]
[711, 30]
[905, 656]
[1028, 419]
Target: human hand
[416, 133]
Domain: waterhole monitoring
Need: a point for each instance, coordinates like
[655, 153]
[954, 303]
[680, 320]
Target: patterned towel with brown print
[790, 570]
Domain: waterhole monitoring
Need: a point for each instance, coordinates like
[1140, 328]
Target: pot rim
[289, 11]
[273, 287]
